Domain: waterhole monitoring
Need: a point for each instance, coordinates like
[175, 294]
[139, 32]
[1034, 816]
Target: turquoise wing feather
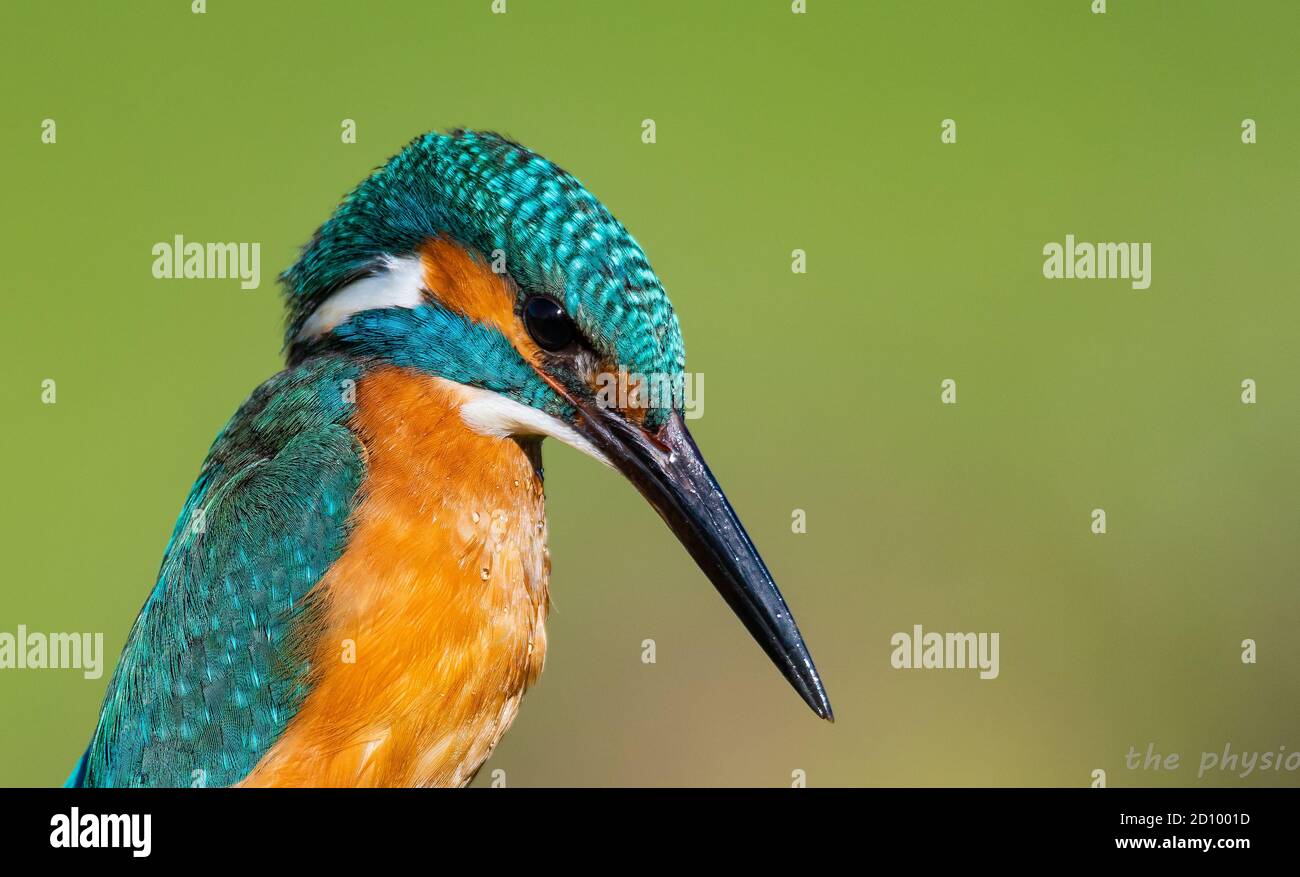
[218, 660]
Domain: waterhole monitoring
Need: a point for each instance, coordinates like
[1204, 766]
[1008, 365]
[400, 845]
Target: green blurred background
[775, 131]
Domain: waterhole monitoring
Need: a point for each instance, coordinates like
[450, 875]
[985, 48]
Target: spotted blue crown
[496, 197]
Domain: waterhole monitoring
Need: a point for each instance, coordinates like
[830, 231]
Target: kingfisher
[356, 590]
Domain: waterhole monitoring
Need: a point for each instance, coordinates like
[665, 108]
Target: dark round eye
[549, 325]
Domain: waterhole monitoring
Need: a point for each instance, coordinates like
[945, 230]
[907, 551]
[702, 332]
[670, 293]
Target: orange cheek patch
[468, 286]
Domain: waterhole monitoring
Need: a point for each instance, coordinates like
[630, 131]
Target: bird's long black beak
[668, 469]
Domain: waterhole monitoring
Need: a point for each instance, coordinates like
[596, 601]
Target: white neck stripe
[400, 284]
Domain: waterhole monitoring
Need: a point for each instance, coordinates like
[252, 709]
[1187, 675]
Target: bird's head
[471, 258]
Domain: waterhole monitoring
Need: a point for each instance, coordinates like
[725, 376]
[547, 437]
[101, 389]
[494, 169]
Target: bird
[356, 589]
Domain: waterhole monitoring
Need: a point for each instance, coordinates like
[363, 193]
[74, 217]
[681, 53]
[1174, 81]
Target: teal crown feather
[494, 196]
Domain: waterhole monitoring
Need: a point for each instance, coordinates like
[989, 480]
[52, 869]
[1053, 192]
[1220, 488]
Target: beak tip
[821, 704]
[808, 683]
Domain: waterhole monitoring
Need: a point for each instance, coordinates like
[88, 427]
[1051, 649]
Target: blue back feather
[217, 662]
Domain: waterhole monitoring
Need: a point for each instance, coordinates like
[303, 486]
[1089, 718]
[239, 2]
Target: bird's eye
[548, 324]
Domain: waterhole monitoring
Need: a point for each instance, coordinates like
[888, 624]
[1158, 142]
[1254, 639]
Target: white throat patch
[489, 413]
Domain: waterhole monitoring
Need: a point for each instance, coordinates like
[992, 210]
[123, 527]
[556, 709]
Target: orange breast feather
[433, 616]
